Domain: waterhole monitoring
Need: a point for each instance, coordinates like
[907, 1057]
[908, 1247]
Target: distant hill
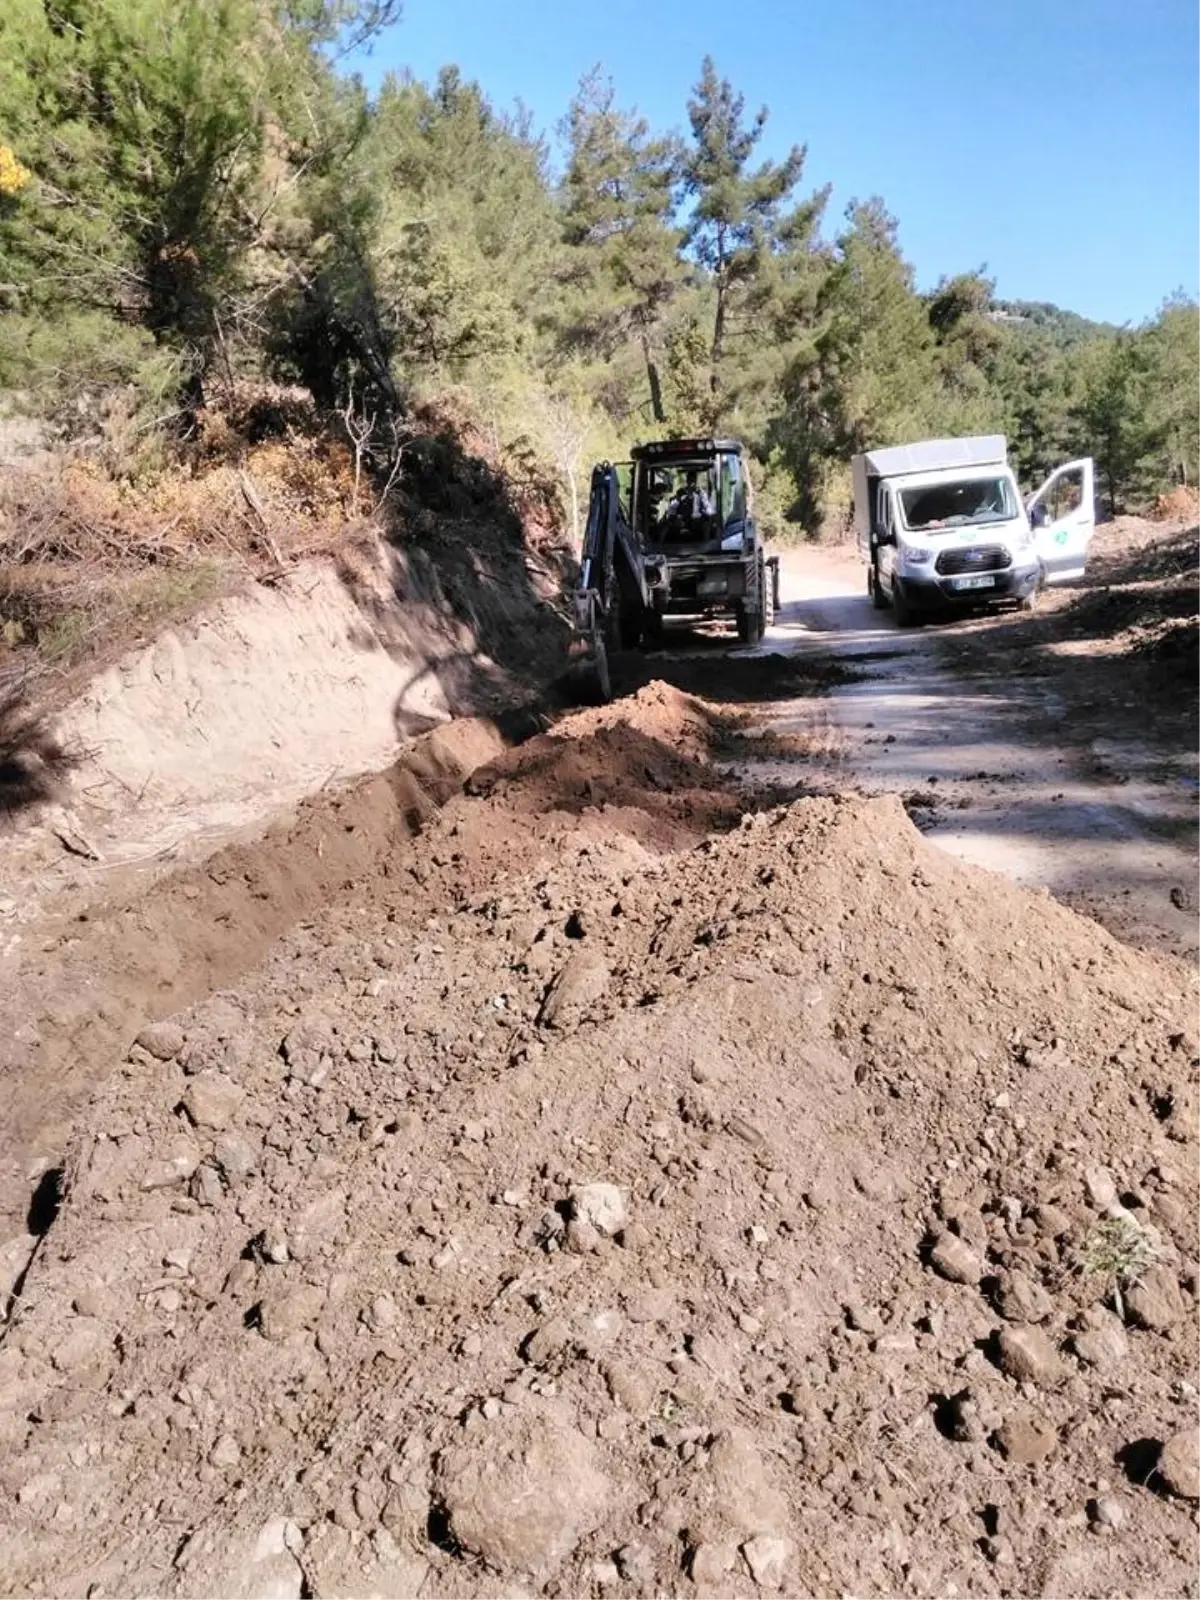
[1064, 327]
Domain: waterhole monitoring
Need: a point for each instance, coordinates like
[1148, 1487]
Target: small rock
[972, 1416]
[1179, 1464]
[604, 1574]
[1156, 1302]
[1026, 1441]
[709, 1563]
[273, 1246]
[630, 1387]
[954, 1259]
[1026, 1354]
[240, 1277]
[1020, 1298]
[1101, 1341]
[525, 1504]
[601, 1206]
[176, 1167]
[768, 1557]
[226, 1452]
[1101, 1188]
[235, 1157]
[745, 1487]
[285, 1312]
[162, 1040]
[579, 985]
[1051, 1220]
[381, 1314]
[212, 1100]
[547, 1342]
[635, 1563]
[94, 1302]
[1107, 1511]
[307, 1050]
[206, 1188]
[581, 1238]
[82, 1344]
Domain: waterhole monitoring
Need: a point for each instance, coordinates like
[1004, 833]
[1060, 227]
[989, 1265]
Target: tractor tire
[768, 598]
[750, 625]
[653, 629]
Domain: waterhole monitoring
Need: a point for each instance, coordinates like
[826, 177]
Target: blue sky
[1054, 141]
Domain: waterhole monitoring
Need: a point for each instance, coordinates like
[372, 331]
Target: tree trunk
[655, 382]
[718, 343]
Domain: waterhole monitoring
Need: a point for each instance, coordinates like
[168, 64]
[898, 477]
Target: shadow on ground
[32, 762]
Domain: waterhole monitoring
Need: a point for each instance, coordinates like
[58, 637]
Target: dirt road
[648, 1167]
[1002, 768]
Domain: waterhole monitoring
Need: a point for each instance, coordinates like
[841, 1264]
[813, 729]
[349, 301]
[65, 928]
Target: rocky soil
[623, 1187]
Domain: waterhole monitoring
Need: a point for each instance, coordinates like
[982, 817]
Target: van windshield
[958, 505]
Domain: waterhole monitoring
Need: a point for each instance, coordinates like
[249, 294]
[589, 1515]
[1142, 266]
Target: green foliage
[742, 230]
[622, 268]
[195, 190]
[1173, 416]
[1108, 416]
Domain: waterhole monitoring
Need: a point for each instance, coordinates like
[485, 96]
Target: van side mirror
[1039, 515]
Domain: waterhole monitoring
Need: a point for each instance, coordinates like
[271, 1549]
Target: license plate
[980, 580]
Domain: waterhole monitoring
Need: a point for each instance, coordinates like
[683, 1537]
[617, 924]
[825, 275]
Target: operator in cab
[691, 503]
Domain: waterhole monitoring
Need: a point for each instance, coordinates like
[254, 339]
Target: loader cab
[690, 494]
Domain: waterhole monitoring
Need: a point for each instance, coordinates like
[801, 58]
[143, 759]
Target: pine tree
[623, 267]
[737, 217]
[1109, 415]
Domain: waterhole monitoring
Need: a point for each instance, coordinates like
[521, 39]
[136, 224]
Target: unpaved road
[609, 1178]
[994, 768]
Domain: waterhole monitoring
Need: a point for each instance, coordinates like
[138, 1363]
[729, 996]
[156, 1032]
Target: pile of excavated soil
[409, 839]
[798, 1211]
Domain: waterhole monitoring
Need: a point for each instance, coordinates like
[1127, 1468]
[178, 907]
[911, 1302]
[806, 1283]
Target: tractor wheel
[750, 626]
[768, 598]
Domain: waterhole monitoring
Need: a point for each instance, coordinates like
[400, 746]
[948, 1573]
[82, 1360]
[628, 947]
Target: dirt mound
[803, 1212]
[638, 772]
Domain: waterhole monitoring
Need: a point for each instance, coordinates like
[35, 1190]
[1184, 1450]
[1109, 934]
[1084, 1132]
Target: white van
[942, 526]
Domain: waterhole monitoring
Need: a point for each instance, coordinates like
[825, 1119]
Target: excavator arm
[611, 600]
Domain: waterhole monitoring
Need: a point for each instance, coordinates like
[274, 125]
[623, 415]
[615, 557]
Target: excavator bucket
[588, 671]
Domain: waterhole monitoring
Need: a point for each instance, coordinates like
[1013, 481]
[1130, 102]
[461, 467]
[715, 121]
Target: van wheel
[879, 600]
[903, 612]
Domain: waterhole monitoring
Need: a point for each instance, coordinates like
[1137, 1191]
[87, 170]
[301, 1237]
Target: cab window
[733, 490]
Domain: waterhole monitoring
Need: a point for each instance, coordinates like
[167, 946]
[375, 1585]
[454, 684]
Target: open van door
[1063, 516]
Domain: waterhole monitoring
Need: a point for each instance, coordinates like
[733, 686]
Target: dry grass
[89, 559]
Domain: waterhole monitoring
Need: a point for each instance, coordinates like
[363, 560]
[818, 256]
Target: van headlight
[914, 557]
